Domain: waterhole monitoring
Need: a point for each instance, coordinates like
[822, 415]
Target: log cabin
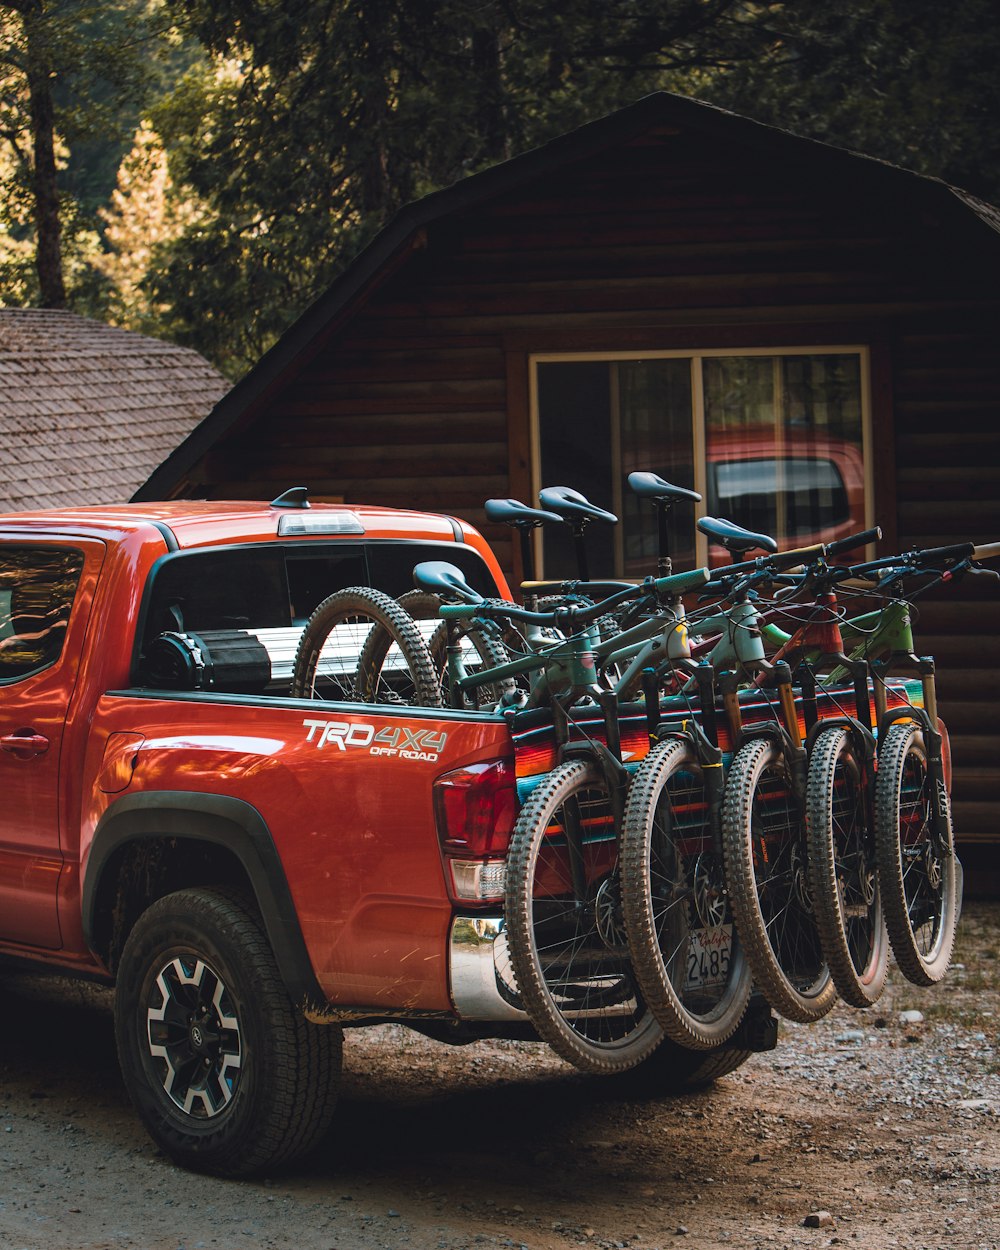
[806, 335]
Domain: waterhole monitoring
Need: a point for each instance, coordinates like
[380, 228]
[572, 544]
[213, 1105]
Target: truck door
[46, 587]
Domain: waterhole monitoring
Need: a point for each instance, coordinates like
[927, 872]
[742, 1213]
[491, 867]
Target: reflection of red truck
[254, 871]
[804, 486]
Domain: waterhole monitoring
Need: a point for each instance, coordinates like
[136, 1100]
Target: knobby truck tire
[916, 871]
[365, 625]
[224, 1070]
[764, 845]
[675, 903]
[842, 868]
[569, 953]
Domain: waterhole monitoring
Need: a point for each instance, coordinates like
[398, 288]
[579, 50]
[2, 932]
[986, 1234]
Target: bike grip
[986, 551]
[931, 555]
[678, 583]
[853, 541]
[457, 611]
[791, 559]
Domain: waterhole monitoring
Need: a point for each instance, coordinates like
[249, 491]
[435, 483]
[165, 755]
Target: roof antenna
[294, 497]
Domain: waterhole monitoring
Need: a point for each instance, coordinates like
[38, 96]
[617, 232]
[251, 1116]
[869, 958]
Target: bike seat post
[664, 565]
[582, 566]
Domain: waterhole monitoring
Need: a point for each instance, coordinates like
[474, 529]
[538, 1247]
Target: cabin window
[774, 440]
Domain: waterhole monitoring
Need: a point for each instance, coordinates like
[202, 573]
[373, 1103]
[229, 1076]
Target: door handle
[24, 745]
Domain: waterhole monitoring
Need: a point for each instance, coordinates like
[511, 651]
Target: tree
[911, 81]
[72, 72]
[323, 118]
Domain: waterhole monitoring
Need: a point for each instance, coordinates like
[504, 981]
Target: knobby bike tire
[675, 903]
[371, 624]
[764, 847]
[842, 868]
[481, 650]
[916, 868]
[675, 1069]
[567, 942]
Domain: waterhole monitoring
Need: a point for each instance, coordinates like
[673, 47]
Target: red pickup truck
[252, 871]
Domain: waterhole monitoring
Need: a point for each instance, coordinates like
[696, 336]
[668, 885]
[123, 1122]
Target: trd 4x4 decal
[407, 744]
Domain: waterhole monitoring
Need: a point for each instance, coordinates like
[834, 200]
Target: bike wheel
[673, 1069]
[765, 857]
[916, 864]
[687, 957]
[481, 649]
[842, 871]
[564, 928]
[360, 646]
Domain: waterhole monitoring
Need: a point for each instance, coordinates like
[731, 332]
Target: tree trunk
[48, 254]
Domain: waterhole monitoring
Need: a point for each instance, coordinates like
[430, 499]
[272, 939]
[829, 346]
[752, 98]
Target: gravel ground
[885, 1126]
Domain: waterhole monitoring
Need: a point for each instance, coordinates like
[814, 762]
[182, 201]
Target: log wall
[420, 398]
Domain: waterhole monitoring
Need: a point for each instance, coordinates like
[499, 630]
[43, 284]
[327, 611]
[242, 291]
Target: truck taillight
[475, 808]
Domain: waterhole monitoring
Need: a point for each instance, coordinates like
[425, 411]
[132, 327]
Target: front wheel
[565, 929]
[916, 857]
[688, 960]
[225, 1072]
[842, 871]
[765, 855]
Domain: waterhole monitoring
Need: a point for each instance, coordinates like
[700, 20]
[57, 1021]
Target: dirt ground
[891, 1125]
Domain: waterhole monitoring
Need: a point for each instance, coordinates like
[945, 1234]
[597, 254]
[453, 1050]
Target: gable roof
[405, 230]
[88, 410]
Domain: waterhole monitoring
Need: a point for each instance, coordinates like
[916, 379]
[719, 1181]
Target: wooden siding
[420, 399]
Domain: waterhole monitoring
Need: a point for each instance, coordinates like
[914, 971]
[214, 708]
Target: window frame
[699, 436]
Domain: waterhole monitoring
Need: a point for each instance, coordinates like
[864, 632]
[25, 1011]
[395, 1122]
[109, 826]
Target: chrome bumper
[482, 980]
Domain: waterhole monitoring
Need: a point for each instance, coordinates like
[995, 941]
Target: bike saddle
[652, 486]
[572, 507]
[442, 578]
[513, 512]
[734, 537]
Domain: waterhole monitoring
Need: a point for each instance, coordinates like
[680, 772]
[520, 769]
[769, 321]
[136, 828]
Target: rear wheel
[225, 1072]
[842, 871]
[916, 860]
[688, 960]
[360, 646]
[565, 929]
[765, 855]
[482, 648]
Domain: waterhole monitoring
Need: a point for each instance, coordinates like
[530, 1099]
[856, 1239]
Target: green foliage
[296, 128]
[911, 81]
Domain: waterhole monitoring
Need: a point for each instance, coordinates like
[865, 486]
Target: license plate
[709, 953]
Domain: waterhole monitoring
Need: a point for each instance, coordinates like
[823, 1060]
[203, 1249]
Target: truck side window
[37, 588]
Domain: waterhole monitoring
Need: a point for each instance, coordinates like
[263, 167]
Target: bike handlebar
[851, 542]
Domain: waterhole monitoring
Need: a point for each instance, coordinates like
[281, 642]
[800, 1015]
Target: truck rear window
[270, 591]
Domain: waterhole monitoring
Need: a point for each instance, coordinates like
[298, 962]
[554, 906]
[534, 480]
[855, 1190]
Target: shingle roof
[87, 410]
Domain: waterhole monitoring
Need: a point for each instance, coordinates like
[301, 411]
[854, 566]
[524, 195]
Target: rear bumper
[482, 980]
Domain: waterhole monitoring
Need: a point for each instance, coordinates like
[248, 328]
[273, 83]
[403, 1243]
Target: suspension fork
[927, 718]
[613, 772]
